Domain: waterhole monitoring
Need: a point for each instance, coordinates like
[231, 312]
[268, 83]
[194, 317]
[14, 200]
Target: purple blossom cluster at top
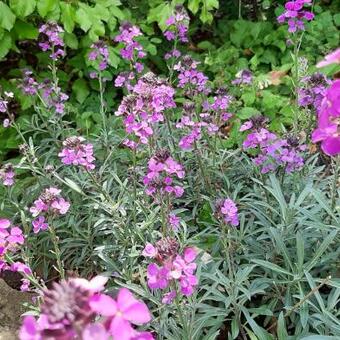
[328, 129]
[132, 50]
[77, 309]
[78, 153]
[52, 95]
[11, 238]
[171, 267]
[313, 90]
[214, 114]
[51, 40]
[272, 150]
[145, 107]
[189, 78]
[100, 53]
[244, 77]
[229, 212]
[7, 174]
[177, 25]
[162, 170]
[49, 202]
[295, 14]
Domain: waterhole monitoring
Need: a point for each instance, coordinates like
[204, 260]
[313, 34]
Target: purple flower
[295, 15]
[39, 224]
[50, 201]
[99, 53]
[174, 221]
[51, 40]
[7, 174]
[327, 131]
[229, 211]
[157, 276]
[149, 251]
[168, 298]
[145, 107]
[162, 170]
[76, 152]
[244, 77]
[177, 25]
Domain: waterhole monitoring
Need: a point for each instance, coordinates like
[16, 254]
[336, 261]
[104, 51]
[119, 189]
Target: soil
[11, 309]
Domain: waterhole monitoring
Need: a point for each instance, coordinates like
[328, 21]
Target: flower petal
[103, 304]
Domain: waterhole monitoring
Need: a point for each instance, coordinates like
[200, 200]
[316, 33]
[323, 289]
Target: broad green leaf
[81, 90]
[117, 12]
[71, 40]
[25, 30]
[194, 5]
[5, 45]
[7, 18]
[247, 112]
[22, 8]
[114, 59]
[46, 6]
[83, 17]
[68, 16]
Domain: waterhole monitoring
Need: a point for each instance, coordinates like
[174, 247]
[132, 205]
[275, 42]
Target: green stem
[57, 252]
[200, 164]
[335, 181]
[31, 278]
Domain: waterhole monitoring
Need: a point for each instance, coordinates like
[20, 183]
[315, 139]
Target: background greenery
[225, 36]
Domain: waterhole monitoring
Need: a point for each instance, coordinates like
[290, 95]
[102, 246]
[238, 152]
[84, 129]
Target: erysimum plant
[217, 242]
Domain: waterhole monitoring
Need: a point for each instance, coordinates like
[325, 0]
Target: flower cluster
[70, 308]
[328, 129]
[11, 237]
[51, 40]
[76, 152]
[244, 77]
[29, 84]
[49, 202]
[227, 209]
[177, 25]
[4, 102]
[145, 107]
[295, 14]
[162, 170]
[99, 52]
[53, 97]
[132, 50]
[214, 114]
[7, 174]
[312, 91]
[272, 151]
[189, 78]
[170, 267]
[51, 94]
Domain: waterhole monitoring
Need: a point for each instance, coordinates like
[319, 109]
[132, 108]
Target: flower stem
[335, 181]
[57, 252]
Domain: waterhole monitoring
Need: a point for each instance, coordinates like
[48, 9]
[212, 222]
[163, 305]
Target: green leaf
[68, 16]
[272, 266]
[281, 328]
[117, 12]
[194, 6]
[83, 17]
[247, 112]
[46, 6]
[5, 45]
[114, 59]
[336, 19]
[81, 90]
[22, 8]
[7, 18]
[25, 30]
[71, 40]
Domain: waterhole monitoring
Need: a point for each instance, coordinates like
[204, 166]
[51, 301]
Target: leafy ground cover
[170, 171]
